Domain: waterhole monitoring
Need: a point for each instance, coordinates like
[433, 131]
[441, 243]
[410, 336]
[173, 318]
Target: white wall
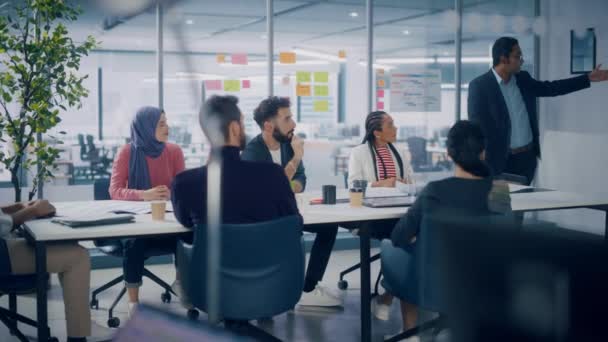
[574, 128]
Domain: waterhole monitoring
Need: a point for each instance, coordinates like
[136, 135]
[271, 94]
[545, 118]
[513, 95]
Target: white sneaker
[132, 308]
[183, 298]
[319, 297]
[381, 311]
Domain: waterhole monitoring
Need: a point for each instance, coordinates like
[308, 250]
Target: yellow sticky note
[321, 106]
[302, 76]
[232, 85]
[287, 58]
[302, 90]
[321, 90]
[321, 76]
[221, 58]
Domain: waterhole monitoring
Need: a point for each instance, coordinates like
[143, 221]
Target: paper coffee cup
[158, 210]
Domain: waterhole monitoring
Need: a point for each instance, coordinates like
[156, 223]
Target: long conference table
[39, 233]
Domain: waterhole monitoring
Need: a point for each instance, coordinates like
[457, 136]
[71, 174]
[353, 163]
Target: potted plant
[39, 65]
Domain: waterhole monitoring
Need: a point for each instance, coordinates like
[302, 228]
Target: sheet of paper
[302, 90]
[213, 85]
[321, 90]
[302, 76]
[383, 192]
[321, 106]
[94, 208]
[239, 58]
[321, 77]
[287, 58]
[232, 85]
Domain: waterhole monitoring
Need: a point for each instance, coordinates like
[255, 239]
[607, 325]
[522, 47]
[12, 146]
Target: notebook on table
[389, 202]
[94, 220]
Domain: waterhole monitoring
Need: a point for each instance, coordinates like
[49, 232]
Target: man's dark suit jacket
[251, 192]
[257, 150]
[487, 107]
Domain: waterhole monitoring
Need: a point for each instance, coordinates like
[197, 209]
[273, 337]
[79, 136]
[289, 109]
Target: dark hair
[502, 48]
[465, 143]
[224, 109]
[373, 122]
[269, 108]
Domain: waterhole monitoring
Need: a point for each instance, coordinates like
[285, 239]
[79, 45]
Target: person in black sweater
[467, 193]
[277, 144]
[251, 191]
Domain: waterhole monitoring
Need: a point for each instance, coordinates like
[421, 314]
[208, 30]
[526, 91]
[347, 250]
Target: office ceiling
[403, 27]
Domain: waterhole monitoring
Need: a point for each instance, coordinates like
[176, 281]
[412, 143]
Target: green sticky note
[303, 76]
[321, 106]
[321, 76]
[232, 85]
[321, 90]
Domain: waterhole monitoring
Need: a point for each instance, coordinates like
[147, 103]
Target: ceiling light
[189, 22]
[406, 32]
[316, 54]
[377, 66]
[353, 14]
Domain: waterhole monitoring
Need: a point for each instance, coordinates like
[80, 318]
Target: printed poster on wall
[415, 90]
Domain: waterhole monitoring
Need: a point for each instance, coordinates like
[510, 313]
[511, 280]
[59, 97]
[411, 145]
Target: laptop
[389, 202]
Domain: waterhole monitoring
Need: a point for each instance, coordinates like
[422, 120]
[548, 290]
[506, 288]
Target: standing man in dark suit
[503, 103]
[278, 145]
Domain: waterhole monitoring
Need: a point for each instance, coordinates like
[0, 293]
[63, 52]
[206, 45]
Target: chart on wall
[415, 90]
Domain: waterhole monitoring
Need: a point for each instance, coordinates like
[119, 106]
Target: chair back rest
[417, 148]
[261, 268]
[101, 189]
[101, 192]
[432, 279]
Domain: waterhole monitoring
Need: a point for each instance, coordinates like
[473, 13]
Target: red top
[384, 155]
[162, 171]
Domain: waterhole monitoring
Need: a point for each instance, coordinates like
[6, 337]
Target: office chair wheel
[343, 285]
[193, 314]
[165, 297]
[94, 304]
[114, 322]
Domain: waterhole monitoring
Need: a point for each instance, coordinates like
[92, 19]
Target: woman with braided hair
[377, 160]
[381, 164]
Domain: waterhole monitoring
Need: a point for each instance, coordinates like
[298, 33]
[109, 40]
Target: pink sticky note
[239, 58]
[380, 105]
[246, 84]
[380, 93]
[213, 85]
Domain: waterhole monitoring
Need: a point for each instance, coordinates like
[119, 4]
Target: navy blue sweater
[257, 150]
[251, 192]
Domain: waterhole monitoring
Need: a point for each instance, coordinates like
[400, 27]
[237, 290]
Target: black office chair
[115, 248]
[418, 155]
[12, 285]
[265, 283]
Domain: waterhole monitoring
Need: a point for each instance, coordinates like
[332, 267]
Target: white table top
[45, 230]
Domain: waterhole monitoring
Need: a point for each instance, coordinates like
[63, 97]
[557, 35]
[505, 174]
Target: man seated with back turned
[277, 144]
[251, 191]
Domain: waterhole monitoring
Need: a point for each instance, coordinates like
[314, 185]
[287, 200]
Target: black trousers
[523, 164]
[136, 251]
[319, 254]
